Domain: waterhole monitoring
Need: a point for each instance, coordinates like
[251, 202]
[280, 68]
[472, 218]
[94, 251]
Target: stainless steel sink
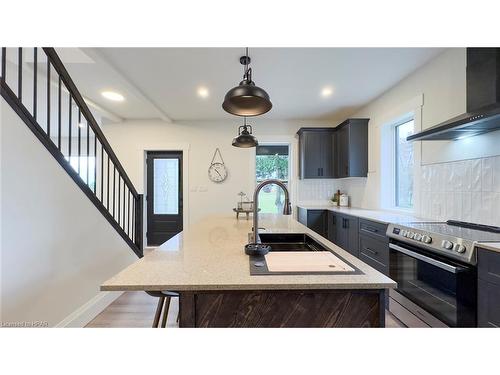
[291, 242]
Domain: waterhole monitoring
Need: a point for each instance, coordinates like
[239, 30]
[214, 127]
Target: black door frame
[150, 156]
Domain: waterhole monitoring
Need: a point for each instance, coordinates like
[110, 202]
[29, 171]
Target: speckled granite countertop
[380, 216]
[209, 255]
[493, 246]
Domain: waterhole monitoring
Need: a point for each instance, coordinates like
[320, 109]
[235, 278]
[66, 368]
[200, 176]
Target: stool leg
[158, 312]
[165, 312]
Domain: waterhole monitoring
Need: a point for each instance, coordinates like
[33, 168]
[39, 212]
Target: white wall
[199, 140]
[56, 247]
[441, 84]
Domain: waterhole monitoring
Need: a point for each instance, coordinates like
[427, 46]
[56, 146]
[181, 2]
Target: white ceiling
[162, 82]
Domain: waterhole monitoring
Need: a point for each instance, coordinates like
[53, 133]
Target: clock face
[217, 172]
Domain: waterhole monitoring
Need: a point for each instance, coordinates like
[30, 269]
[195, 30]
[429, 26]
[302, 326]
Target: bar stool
[163, 304]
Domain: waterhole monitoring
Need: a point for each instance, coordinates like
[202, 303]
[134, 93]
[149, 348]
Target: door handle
[426, 259]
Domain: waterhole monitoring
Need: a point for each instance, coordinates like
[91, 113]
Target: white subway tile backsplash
[476, 207]
[458, 176]
[487, 174]
[476, 176]
[467, 176]
[487, 202]
[467, 206]
[496, 174]
[448, 177]
[464, 190]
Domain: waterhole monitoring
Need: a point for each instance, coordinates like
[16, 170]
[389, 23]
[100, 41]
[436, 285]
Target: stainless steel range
[434, 266]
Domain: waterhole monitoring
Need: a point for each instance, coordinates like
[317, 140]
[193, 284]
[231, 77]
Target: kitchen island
[207, 265]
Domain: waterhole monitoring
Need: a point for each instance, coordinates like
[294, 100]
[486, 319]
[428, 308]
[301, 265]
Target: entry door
[164, 196]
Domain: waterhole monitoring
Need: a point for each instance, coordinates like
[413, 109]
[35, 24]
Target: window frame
[288, 182]
[395, 181]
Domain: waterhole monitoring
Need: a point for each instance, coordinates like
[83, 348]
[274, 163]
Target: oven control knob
[403, 232]
[447, 244]
[459, 248]
[418, 237]
[426, 239]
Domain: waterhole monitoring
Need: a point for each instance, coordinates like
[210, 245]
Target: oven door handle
[426, 259]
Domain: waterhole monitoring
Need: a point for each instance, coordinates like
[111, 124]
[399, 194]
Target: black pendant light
[245, 139]
[246, 99]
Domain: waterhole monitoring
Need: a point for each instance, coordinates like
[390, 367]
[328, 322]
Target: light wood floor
[137, 309]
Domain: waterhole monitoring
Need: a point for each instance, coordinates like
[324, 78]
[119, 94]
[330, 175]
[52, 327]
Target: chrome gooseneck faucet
[287, 208]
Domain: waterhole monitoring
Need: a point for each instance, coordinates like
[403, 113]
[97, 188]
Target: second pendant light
[245, 139]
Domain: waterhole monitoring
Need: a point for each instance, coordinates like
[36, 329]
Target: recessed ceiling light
[114, 96]
[326, 92]
[203, 92]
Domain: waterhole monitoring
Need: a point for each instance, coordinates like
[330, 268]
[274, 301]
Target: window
[404, 160]
[166, 186]
[271, 161]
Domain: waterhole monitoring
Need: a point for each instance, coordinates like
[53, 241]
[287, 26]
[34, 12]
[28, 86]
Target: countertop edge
[239, 287]
[364, 213]
[489, 246]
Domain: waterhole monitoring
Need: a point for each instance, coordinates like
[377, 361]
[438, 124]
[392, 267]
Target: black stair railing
[36, 84]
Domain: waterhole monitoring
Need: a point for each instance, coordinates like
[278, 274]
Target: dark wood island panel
[283, 308]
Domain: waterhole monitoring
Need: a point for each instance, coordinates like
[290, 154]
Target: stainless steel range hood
[483, 100]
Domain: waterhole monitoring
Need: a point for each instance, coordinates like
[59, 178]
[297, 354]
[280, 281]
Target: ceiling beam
[99, 58]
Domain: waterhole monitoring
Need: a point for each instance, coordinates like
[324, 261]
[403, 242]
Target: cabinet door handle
[319, 171]
[370, 229]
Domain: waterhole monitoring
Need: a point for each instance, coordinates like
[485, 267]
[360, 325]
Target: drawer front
[488, 263]
[375, 253]
[372, 228]
[488, 304]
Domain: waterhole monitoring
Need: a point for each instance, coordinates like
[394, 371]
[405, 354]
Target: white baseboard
[85, 313]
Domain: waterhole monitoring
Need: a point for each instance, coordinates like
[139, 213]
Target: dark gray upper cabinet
[316, 152]
[351, 151]
[334, 152]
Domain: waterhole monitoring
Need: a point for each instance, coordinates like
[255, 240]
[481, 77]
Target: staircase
[35, 83]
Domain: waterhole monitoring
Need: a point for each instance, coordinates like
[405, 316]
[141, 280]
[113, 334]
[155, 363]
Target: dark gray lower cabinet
[375, 253]
[362, 238]
[374, 245]
[488, 304]
[488, 294]
[315, 220]
[343, 231]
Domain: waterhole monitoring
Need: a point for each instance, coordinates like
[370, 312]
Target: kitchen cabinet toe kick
[282, 309]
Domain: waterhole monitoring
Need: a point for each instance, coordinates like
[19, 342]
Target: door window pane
[166, 186]
[404, 165]
[271, 162]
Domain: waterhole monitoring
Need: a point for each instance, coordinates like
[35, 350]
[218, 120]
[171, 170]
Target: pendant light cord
[246, 62]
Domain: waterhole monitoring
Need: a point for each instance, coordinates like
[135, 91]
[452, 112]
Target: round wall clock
[217, 172]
